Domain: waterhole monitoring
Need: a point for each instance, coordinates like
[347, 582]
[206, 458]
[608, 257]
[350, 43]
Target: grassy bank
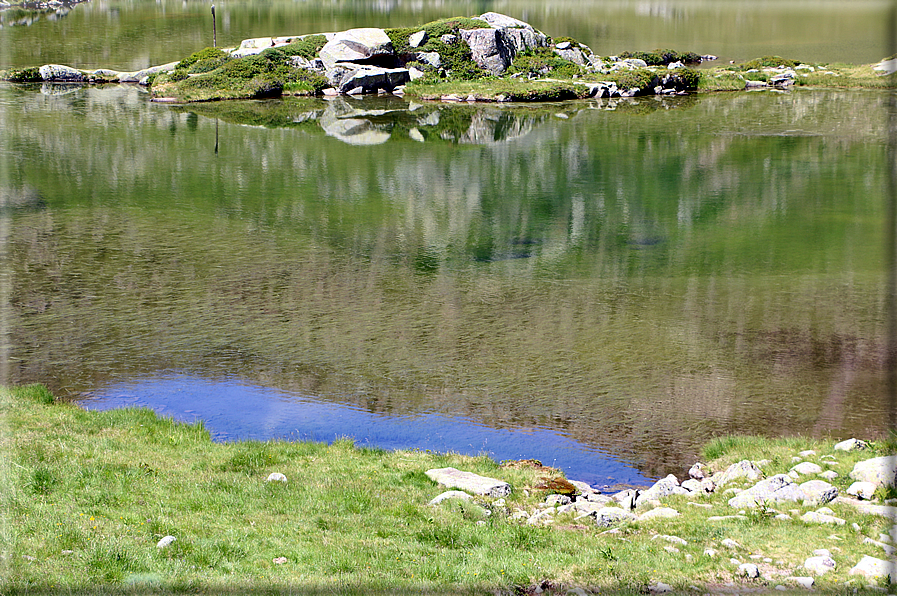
[89, 494]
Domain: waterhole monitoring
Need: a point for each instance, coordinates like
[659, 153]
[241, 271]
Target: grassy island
[89, 495]
[491, 57]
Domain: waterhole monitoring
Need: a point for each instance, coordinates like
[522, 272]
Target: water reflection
[373, 121]
[637, 279]
[233, 410]
[25, 14]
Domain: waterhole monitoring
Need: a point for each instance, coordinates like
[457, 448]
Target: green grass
[544, 62]
[495, 89]
[268, 74]
[90, 493]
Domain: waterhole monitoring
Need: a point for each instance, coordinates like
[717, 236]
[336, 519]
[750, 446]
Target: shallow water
[621, 280]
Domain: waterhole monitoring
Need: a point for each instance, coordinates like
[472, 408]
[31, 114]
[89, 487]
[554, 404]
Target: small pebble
[280, 560]
[165, 541]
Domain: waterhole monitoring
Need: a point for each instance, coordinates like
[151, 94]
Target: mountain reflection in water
[692, 268]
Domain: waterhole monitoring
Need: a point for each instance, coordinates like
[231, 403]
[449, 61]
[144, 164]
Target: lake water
[601, 285]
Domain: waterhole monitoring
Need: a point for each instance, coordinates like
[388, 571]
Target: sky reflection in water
[233, 410]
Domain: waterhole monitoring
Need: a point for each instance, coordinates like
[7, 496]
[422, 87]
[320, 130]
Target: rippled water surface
[613, 281]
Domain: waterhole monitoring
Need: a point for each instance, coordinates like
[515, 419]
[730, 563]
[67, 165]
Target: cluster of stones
[633, 505]
[362, 61]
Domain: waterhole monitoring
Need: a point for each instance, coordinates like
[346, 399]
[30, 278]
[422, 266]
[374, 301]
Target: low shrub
[307, 47]
[23, 75]
[543, 62]
[201, 55]
[267, 74]
[661, 57]
[767, 62]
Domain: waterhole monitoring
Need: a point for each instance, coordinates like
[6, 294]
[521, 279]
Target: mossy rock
[23, 75]
[457, 60]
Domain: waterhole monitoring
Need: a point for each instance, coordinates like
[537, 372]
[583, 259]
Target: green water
[638, 275]
[134, 34]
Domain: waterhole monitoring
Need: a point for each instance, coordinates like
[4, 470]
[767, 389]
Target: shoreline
[123, 500]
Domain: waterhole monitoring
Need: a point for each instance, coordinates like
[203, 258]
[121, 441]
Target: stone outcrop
[470, 482]
[366, 45]
[880, 471]
[873, 568]
[61, 74]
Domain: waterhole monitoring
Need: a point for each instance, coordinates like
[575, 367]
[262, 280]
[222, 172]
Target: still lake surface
[601, 285]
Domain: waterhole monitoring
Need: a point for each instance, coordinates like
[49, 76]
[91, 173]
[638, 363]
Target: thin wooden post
[214, 30]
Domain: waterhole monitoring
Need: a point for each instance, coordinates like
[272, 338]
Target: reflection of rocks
[20, 199]
[344, 122]
[53, 11]
[59, 88]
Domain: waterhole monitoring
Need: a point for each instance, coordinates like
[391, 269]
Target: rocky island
[490, 57]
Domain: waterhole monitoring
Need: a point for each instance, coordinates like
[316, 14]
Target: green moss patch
[539, 62]
[307, 47]
[663, 57]
[23, 75]
[268, 74]
[767, 62]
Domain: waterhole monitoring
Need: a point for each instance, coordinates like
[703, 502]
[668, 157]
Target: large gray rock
[501, 21]
[141, 75]
[431, 58]
[760, 493]
[862, 490]
[372, 78]
[662, 488]
[698, 471]
[850, 445]
[875, 569]
[356, 45]
[479, 485]
[57, 73]
[415, 40]
[608, 516]
[819, 565]
[880, 471]
[743, 469]
[489, 48]
[818, 492]
[524, 39]
[574, 55]
[806, 467]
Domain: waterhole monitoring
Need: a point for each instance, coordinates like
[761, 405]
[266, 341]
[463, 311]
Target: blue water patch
[233, 410]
